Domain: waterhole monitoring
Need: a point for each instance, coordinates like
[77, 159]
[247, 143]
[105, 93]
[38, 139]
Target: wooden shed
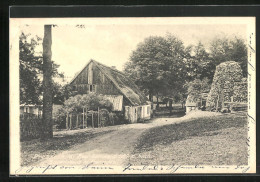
[200, 102]
[190, 104]
[119, 89]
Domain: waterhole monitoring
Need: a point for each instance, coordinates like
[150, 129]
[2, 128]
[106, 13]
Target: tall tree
[29, 69]
[157, 66]
[47, 83]
[224, 49]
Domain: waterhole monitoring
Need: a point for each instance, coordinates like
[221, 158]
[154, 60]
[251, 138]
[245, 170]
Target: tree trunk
[47, 83]
[67, 121]
[150, 96]
[170, 106]
[77, 122]
[151, 99]
[157, 104]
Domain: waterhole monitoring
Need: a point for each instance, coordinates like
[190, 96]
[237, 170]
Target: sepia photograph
[157, 95]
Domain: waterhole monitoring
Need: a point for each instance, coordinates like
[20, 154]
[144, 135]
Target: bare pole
[47, 83]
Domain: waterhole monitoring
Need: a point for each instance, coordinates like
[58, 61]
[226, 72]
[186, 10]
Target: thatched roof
[124, 84]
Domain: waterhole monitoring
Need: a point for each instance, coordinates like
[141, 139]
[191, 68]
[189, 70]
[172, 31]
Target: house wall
[29, 109]
[136, 114]
[117, 101]
[92, 75]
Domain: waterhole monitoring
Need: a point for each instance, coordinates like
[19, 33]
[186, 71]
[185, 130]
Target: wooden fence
[89, 118]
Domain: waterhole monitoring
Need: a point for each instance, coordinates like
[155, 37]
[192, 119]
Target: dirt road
[111, 148]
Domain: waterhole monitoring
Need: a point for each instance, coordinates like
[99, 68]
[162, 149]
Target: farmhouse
[117, 87]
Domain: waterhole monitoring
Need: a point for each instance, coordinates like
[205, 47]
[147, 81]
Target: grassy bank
[216, 140]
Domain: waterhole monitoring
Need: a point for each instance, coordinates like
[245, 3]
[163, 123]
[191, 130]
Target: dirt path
[112, 148]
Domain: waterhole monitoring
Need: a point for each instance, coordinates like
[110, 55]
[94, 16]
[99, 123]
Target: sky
[113, 43]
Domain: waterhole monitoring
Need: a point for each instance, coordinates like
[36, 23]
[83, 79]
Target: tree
[224, 49]
[196, 87]
[199, 64]
[157, 66]
[30, 67]
[47, 83]
[61, 93]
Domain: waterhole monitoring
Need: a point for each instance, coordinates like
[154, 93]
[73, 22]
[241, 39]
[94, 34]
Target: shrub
[76, 105]
[226, 75]
[31, 127]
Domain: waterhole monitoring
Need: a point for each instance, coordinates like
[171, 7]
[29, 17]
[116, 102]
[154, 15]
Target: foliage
[198, 62]
[240, 91]
[154, 64]
[162, 66]
[30, 127]
[31, 69]
[223, 82]
[196, 87]
[61, 93]
[224, 49]
[89, 101]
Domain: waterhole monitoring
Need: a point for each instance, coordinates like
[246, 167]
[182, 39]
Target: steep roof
[125, 85]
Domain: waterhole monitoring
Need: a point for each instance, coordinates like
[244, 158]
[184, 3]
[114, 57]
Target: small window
[92, 88]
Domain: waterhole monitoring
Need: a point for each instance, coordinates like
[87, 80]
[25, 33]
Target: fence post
[86, 117]
[83, 118]
[70, 121]
[98, 118]
[77, 122]
[92, 121]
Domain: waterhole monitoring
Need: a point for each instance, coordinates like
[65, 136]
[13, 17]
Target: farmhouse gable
[96, 77]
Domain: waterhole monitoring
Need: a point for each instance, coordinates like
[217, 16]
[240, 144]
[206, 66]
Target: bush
[76, 104]
[226, 75]
[31, 127]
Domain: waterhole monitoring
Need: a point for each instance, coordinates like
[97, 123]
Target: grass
[215, 140]
[35, 150]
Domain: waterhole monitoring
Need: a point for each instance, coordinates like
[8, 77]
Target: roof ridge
[128, 79]
[109, 67]
[116, 77]
[115, 83]
[80, 71]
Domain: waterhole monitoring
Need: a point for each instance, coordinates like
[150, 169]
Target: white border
[15, 23]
